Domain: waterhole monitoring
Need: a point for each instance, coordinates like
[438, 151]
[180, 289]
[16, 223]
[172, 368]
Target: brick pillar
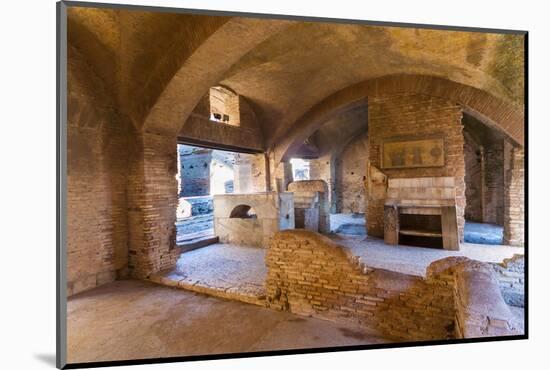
[323, 169]
[514, 205]
[406, 117]
[152, 202]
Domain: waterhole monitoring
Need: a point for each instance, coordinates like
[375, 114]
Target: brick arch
[205, 68]
[83, 82]
[91, 61]
[499, 114]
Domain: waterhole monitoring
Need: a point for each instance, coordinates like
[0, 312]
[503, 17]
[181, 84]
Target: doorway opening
[300, 169]
[485, 165]
[202, 174]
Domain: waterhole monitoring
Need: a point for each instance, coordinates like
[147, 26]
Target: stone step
[252, 295]
[189, 245]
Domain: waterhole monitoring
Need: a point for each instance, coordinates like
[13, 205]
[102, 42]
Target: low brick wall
[480, 308]
[309, 274]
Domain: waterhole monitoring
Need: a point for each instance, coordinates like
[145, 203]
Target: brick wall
[493, 210]
[96, 191]
[225, 102]
[308, 274]
[413, 116]
[514, 203]
[246, 134]
[480, 308]
[473, 180]
[351, 174]
[152, 202]
[194, 171]
[484, 179]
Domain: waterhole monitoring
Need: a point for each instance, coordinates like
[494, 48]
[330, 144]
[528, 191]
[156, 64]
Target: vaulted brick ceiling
[284, 71]
[295, 69]
[136, 53]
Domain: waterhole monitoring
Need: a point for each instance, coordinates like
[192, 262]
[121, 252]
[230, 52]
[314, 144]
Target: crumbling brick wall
[414, 116]
[510, 274]
[480, 308]
[309, 274]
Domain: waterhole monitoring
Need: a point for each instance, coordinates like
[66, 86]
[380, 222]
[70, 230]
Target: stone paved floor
[414, 260]
[482, 233]
[131, 319]
[348, 223]
[194, 228]
[238, 272]
[224, 270]
[519, 315]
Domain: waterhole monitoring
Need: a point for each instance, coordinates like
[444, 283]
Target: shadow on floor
[348, 223]
[479, 233]
[47, 358]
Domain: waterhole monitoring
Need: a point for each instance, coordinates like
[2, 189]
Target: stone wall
[324, 168]
[250, 173]
[281, 174]
[514, 203]
[272, 212]
[309, 274]
[413, 116]
[320, 187]
[97, 161]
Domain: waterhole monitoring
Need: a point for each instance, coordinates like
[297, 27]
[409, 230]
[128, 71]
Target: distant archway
[243, 211]
[505, 116]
